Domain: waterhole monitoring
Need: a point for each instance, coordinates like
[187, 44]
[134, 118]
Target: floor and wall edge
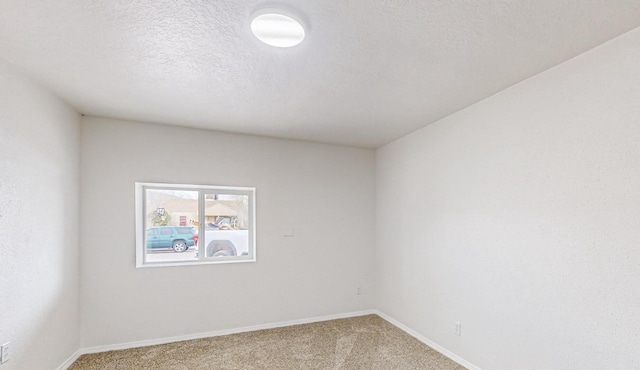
[427, 341]
[153, 342]
[217, 333]
[65, 365]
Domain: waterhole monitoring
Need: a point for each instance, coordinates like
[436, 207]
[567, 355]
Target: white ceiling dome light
[277, 29]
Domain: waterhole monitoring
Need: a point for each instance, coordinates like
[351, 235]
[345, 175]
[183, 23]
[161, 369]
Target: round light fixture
[277, 29]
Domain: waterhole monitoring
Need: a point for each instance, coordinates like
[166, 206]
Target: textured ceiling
[369, 71]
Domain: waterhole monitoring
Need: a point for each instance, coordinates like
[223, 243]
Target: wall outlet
[358, 290]
[4, 353]
[457, 328]
[288, 231]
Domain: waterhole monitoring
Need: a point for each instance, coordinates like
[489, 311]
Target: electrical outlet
[4, 353]
[458, 328]
[287, 231]
[358, 290]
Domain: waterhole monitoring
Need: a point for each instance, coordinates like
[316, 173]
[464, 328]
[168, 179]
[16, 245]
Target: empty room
[227, 184]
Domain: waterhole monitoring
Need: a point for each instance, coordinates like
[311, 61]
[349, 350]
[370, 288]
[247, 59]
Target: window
[194, 224]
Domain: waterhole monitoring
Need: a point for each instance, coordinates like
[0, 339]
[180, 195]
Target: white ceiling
[369, 71]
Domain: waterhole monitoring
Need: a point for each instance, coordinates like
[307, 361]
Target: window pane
[171, 224]
[180, 224]
[226, 226]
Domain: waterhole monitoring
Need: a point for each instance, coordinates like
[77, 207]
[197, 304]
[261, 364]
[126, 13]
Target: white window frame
[140, 207]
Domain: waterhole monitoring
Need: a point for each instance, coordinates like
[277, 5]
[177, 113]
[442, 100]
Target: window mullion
[201, 220]
[160, 207]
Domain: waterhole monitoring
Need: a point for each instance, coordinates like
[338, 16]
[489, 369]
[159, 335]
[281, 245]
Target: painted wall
[39, 183]
[326, 193]
[520, 217]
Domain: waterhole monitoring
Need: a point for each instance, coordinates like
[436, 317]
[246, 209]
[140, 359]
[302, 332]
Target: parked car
[224, 242]
[227, 243]
[178, 238]
[221, 223]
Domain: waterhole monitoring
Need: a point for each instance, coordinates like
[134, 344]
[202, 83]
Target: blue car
[178, 238]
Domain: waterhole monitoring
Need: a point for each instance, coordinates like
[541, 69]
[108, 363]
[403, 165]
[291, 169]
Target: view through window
[184, 224]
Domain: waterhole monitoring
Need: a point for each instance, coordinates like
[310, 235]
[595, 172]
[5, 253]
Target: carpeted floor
[365, 342]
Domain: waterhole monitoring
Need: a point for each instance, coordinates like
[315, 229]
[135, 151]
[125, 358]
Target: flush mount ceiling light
[276, 29]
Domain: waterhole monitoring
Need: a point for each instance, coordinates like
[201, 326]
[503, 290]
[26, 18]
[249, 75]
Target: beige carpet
[365, 342]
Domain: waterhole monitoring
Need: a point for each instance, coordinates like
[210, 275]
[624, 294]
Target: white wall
[520, 217]
[326, 193]
[39, 181]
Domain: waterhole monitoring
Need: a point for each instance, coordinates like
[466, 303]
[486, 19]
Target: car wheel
[221, 248]
[179, 246]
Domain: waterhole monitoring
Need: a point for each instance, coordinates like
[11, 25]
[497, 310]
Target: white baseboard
[217, 333]
[428, 341]
[65, 365]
